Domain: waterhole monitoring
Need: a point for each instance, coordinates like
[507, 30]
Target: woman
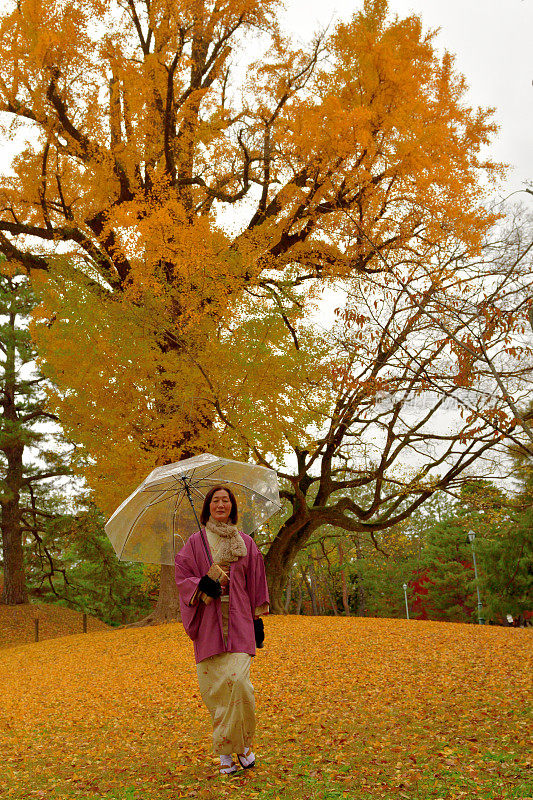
[223, 593]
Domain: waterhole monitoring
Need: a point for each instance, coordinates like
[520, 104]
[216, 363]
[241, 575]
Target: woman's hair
[206, 513]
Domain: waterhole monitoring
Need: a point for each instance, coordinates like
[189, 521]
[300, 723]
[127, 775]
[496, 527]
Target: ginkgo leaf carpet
[346, 707]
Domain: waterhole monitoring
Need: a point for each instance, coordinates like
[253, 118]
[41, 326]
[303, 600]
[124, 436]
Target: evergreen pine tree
[508, 555]
[448, 560]
[23, 410]
[86, 574]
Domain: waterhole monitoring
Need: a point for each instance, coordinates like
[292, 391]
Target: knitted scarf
[229, 543]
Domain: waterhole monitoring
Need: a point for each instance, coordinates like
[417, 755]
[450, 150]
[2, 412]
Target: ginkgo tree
[174, 211]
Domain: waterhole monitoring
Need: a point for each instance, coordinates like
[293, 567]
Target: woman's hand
[209, 586]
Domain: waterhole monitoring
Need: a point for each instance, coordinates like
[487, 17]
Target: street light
[405, 593]
[471, 537]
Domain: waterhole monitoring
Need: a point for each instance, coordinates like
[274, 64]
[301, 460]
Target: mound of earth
[17, 623]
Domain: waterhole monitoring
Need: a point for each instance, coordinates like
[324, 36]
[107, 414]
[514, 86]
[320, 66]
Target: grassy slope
[346, 707]
[17, 623]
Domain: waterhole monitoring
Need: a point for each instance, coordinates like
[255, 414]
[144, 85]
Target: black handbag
[259, 630]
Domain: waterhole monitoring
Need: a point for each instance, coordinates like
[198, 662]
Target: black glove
[259, 629]
[209, 586]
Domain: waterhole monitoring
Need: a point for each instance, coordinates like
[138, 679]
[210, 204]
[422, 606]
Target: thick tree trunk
[279, 560]
[288, 595]
[167, 608]
[345, 603]
[14, 591]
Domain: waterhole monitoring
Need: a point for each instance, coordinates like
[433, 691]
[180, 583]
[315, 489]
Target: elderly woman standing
[223, 593]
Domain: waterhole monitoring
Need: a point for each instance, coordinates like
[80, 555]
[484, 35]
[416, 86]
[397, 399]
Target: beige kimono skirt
[226, 688]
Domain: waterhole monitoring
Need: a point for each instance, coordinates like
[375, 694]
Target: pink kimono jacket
[248, 591]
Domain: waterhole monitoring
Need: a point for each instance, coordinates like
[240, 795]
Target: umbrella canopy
[156, 520]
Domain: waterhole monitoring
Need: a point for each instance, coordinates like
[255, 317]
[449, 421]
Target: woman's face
[220, 506]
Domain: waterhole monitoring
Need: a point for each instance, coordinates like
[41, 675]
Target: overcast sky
[491, 40]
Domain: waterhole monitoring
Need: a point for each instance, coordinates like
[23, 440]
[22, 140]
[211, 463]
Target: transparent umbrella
[156, 520]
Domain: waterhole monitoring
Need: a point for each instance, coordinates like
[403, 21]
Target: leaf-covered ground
[17, 624]
[346, 707]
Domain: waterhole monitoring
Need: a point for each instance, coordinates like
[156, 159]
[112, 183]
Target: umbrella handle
[187, 489]
[217, 573]
[205, 546]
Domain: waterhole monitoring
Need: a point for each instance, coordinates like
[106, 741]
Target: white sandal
[227, 765]
[247, 760]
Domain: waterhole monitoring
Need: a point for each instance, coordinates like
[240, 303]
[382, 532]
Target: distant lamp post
[405, 594]
[471, 537]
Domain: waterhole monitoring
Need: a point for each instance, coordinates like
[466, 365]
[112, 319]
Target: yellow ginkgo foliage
[180, 216]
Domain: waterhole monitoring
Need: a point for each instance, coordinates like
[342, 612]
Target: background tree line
[433, 556]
